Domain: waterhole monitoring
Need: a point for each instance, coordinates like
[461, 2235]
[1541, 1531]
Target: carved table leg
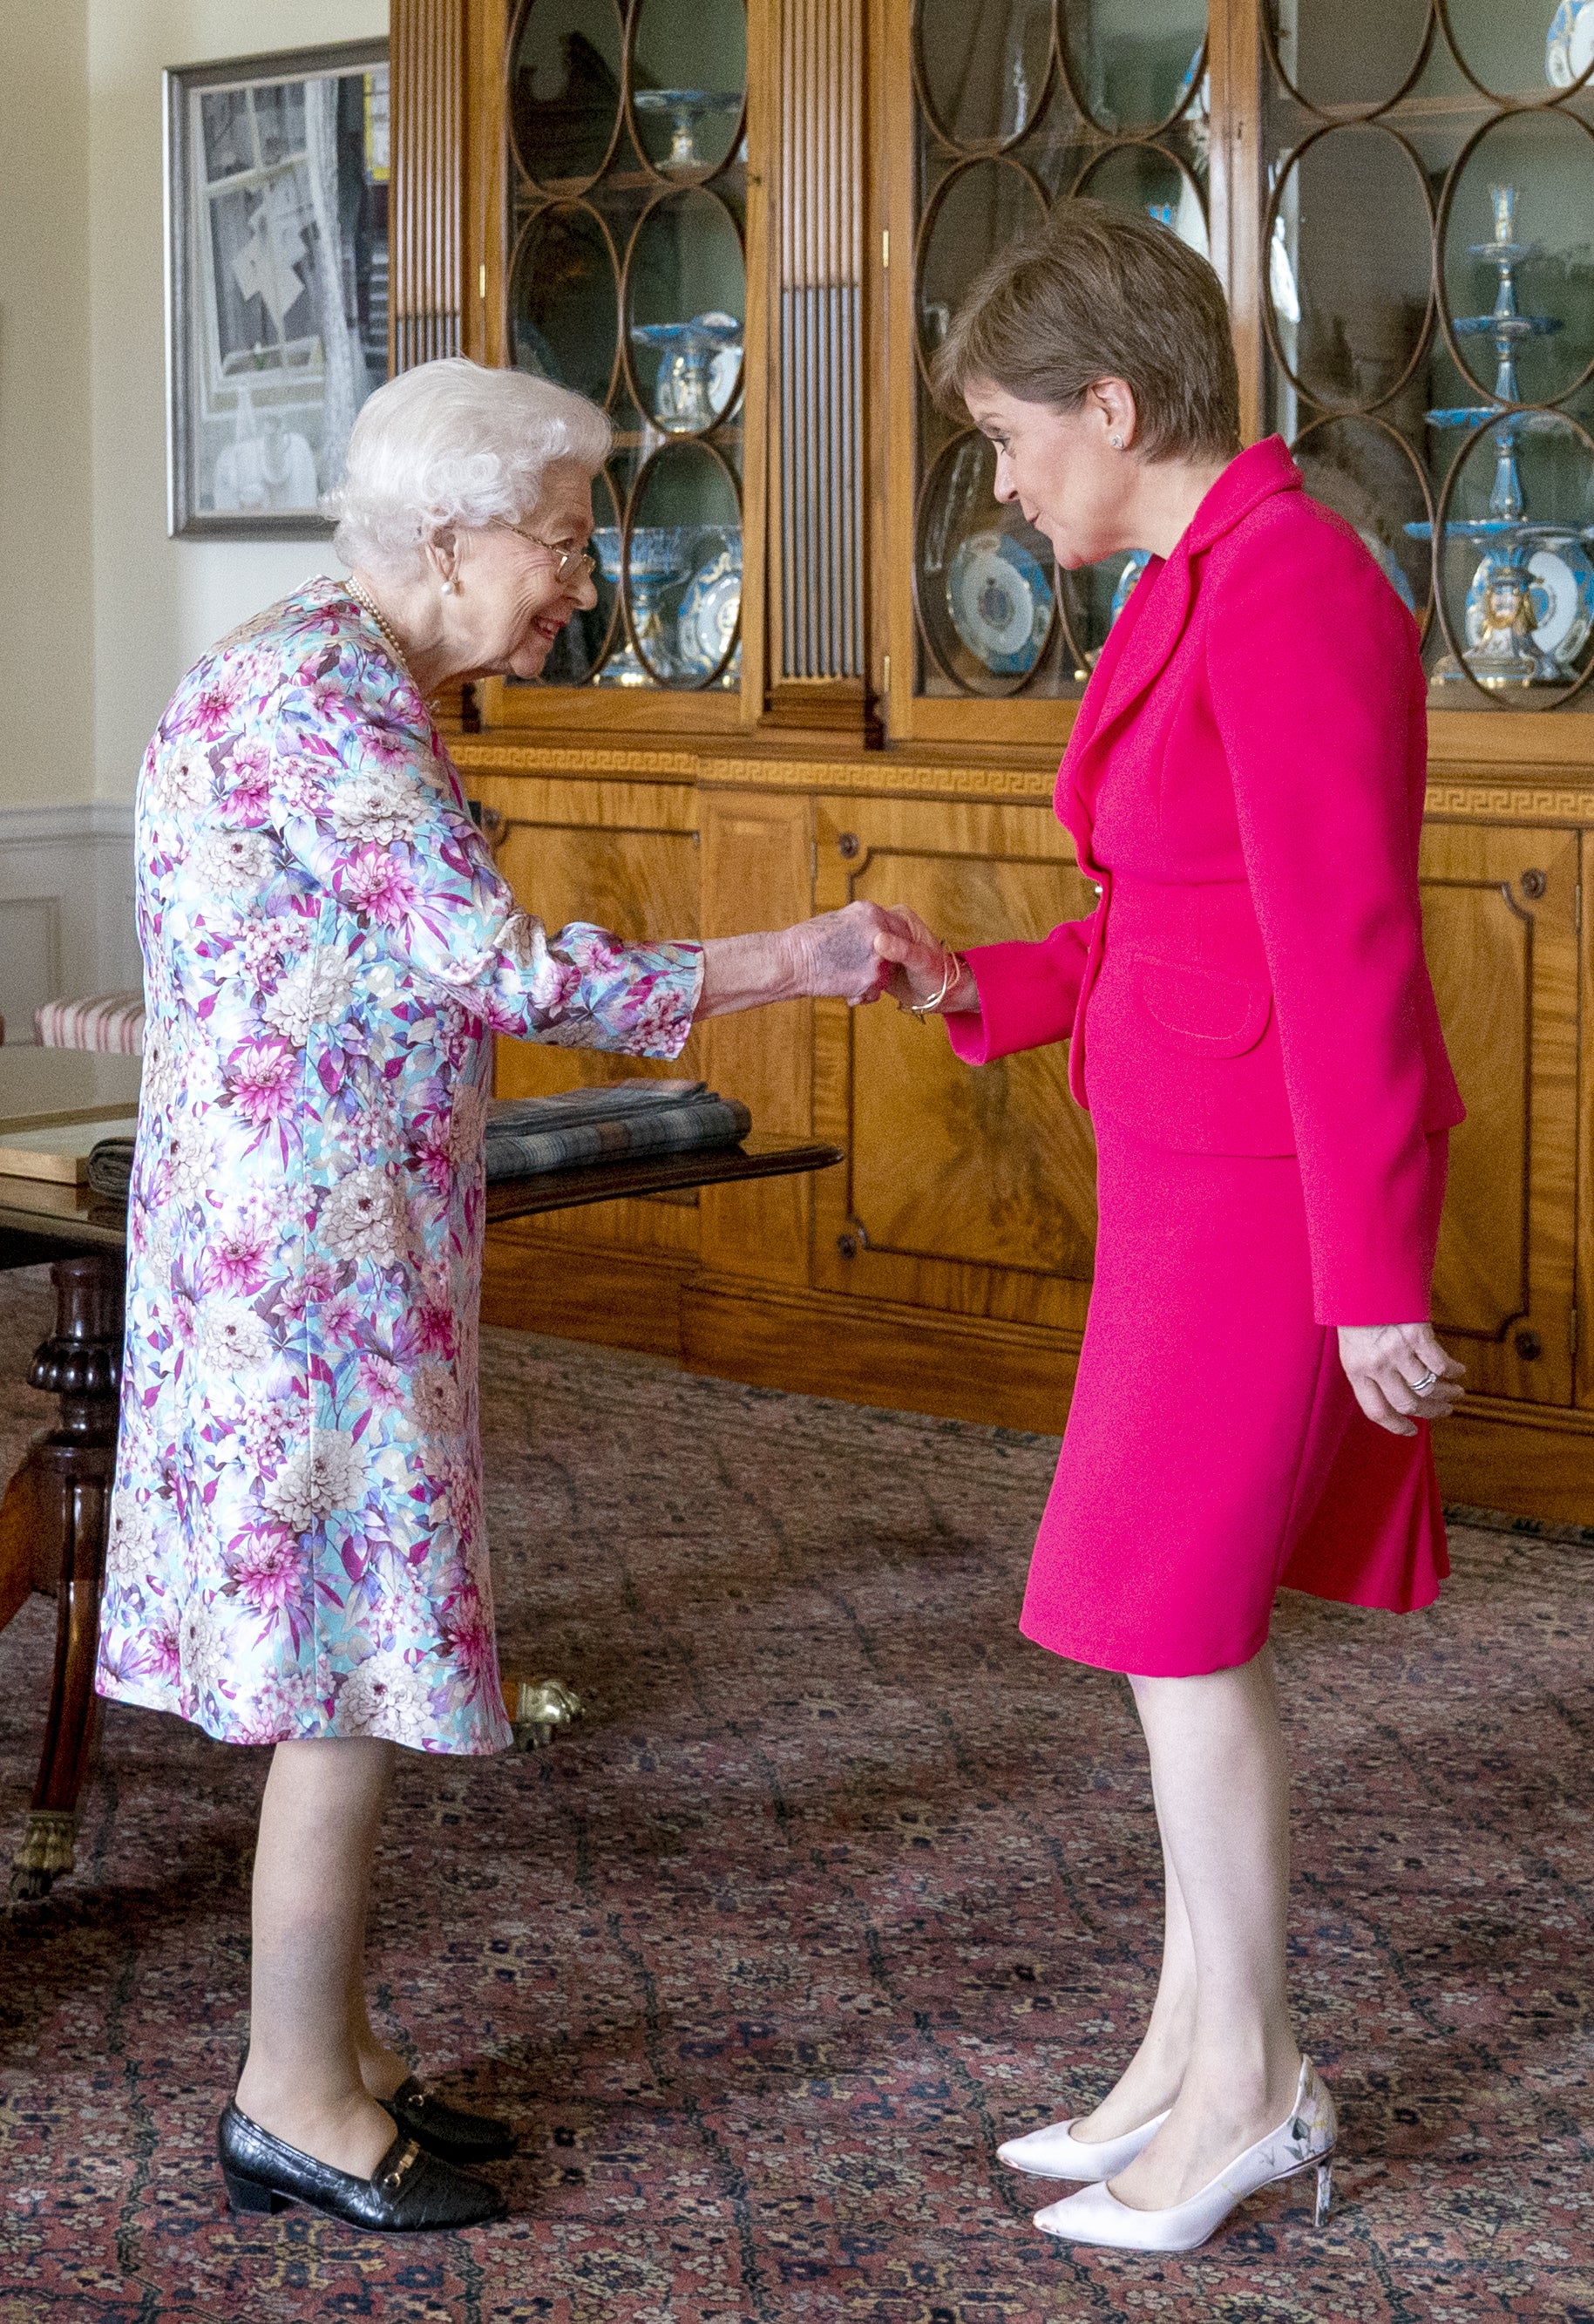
[71, 1466]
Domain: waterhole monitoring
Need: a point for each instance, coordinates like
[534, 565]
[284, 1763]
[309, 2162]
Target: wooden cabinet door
[624, 855]
[1500, 921]
[968, 1190]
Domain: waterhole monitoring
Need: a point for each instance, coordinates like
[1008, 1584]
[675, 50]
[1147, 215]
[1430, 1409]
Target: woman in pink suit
[1254, 1032]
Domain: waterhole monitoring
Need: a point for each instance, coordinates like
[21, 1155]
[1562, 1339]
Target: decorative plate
[1568, 48]
[709, 605]
[1000, 602]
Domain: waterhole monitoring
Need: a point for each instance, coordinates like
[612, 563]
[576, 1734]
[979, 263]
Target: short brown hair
[1103, 293]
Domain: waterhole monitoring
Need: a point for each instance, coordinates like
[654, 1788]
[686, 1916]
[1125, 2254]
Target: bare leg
[382, 2069]
[303, 2079]
[1150, 2082]
[1222, 1785]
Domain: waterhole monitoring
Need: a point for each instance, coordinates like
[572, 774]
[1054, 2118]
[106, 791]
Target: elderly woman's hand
[836, 957]
[1398, 1370]
[839, 954]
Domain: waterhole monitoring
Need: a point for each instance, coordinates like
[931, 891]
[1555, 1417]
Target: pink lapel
[1153, 622]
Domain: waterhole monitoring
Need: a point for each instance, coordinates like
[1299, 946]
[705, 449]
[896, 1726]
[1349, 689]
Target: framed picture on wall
[276, 282]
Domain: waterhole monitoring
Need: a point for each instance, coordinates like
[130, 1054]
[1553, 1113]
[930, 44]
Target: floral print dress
[296, 1544]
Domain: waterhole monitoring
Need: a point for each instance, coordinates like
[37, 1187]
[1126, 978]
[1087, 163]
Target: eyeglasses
[569, 562]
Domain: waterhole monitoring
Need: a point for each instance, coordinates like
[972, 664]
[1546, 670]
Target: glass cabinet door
[1428, 304]
[627, 281]
[1018, 104]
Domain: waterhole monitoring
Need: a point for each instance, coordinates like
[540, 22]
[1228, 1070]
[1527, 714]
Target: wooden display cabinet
[887, 712]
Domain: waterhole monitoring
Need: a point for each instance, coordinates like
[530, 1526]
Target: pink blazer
[1244, 782]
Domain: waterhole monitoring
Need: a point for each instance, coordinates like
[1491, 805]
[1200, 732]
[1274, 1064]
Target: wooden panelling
[1583, 1313]
[627, 861]
[969, 1191]
[869, 1351]
[535, 1279]
[756, 874]
[1518, 1459]
[1500, 924]
[426, 253]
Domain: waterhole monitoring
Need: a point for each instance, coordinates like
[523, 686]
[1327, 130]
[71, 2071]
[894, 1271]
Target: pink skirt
[1214, 1450]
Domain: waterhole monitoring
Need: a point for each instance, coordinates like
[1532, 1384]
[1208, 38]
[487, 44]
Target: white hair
[450, 443]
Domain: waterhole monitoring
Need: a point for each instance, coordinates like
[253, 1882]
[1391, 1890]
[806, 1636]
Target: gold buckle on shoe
[394, 2179]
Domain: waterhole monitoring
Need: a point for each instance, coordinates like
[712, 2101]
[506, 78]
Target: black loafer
[444, 2130]
[408, 2192]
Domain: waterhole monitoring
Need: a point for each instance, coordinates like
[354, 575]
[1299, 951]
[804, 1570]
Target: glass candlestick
[1508, 608]
[683, 397]
[659, 556]
[685, 108]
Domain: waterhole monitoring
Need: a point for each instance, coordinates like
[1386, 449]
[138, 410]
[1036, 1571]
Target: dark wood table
[54, 1512]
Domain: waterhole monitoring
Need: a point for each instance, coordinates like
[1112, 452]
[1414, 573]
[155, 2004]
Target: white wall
[100, 613]
[158, 602]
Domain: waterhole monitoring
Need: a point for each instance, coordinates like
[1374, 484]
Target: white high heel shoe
[1303, 2141]
[1055, 2153]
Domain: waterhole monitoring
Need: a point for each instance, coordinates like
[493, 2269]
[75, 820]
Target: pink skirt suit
[1255, 1035]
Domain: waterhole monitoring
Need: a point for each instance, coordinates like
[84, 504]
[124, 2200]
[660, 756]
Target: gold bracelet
[952, 977]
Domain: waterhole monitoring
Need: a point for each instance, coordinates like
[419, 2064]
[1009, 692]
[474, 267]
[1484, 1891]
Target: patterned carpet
[843, 1883]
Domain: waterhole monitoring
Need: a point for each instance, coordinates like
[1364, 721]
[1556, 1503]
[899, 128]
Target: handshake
[865, 952]
[856, 954]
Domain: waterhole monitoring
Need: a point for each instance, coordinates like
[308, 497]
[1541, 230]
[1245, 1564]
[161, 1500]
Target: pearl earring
[448, 588]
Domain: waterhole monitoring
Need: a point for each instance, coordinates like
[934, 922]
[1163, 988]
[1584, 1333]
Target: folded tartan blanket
[526, 1135]
[110, 1169]
[529, 1134]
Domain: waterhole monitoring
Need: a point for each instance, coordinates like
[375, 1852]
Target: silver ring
[1421, 1387]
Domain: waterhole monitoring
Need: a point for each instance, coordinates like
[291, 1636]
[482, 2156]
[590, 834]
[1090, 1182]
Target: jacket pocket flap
[1205, 1015]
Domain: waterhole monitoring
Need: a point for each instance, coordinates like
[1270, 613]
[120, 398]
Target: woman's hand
[833, 957]
[915, 960]
[1398, 1370]
[838, 956]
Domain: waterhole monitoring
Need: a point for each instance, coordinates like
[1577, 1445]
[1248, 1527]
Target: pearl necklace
[363, 598]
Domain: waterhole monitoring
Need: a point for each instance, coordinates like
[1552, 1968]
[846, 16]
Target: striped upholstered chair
[102, 1020]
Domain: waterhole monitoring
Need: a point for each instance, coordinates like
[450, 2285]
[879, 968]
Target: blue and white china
[710, 602]
[660, 555]
[1559, 579]
[1185, 217]
[1569, 46]
[700, 361]
[1134, 565]
[1528, 607]
[685, 108]
[1000, 602]
[1563, 595]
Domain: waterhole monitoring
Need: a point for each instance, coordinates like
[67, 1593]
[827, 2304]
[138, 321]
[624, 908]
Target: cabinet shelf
[1460, 108]
[529, 193]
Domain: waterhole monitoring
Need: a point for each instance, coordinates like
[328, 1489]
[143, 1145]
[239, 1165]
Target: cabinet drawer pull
[849, 845]
[1535, 884]
[1528, 1346]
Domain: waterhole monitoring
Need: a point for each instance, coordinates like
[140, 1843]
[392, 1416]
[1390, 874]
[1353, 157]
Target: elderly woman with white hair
[297, 1551]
